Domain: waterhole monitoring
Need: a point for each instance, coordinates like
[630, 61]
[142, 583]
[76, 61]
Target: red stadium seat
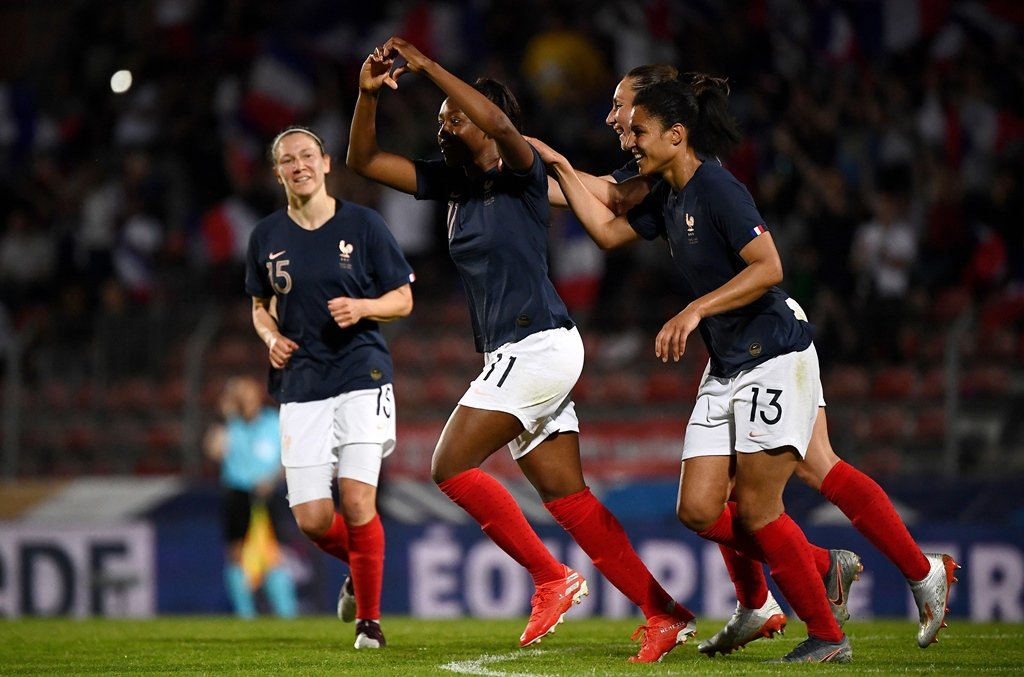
[894, 383]
[663, 386]
[846, 382]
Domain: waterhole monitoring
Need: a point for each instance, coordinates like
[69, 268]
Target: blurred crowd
[884, 144]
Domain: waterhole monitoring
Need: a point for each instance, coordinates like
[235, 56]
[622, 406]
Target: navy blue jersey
[706, 225]
[353, 255]
[626, 171]
[498, 239]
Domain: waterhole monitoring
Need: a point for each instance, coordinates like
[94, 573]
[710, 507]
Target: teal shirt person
[252, 450]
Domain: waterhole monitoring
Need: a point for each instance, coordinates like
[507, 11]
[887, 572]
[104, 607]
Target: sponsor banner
[77, 571]
[443, 571]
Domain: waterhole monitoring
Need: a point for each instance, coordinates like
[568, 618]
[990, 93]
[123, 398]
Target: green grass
[323, 646]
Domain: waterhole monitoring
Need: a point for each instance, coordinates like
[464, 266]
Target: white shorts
[532, 379]
[769, 406]
[347, 435]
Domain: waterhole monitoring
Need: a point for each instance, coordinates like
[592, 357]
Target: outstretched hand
[548, 155]
[376, 72]
[415, 61]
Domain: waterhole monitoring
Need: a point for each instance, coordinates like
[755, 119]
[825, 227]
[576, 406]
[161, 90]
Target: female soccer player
[857, 495]
[758, 401]
[496, 189]
[323, 273]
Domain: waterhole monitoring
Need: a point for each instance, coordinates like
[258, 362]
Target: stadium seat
[932, 385]
[986, 381]
[846, 382]
[894, 383]
[889, 424]
[930, 424]
[947, 304]
[663, 386]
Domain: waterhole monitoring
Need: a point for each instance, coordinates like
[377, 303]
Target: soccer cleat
[369, 635]
[744, 627]
[347, 601]
[549, 604]
[663, 633]
[813, 650]
[932, 595]
[844, 568]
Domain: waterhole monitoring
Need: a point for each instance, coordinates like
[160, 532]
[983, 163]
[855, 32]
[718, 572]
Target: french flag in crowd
[845, 31]
[576, 263]
[225, 230]
[281, 90]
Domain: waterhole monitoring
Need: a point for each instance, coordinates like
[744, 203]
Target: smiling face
[460, 140]
[649, 141]
[300, 165]
[618, 116]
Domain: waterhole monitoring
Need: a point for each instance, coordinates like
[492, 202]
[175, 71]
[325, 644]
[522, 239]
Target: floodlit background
[883, 145]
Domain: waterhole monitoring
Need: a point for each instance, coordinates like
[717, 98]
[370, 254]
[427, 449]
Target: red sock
[747, 577]
[727, 531]
[872, 514]
[334, 541]
[791, 564]
[366, 543]
[501, 518]
[600, 535]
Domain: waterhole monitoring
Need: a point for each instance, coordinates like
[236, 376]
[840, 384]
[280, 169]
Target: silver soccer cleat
[347, 601]
[843, 570]
[932, 595]
[813, 650]
[744, 627]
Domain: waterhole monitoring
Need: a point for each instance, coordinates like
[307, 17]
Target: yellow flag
[260, 552]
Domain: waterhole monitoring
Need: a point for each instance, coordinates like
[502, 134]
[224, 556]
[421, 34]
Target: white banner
[77, 571]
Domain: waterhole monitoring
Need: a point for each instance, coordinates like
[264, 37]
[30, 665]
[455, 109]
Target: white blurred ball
[121, 81]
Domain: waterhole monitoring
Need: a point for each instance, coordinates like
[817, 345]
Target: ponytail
[699, 102]
[717, 130]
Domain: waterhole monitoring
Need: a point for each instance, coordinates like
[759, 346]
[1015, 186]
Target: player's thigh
[469, 437]
[821, 457]
[704, 486]
[554, 468]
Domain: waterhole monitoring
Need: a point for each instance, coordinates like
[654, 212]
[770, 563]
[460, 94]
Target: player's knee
[313, 524]
[809, 474]
[443, 468]
[357, 510]
[697, 516]
[752, 515]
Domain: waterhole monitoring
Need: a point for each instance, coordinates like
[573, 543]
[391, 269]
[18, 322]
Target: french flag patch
[757, 230]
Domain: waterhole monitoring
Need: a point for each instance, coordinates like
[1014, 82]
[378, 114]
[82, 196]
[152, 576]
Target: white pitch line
[478, 666]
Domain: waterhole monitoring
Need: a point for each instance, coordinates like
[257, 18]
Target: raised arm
[364, 155]
[512, 145]
[606, 229]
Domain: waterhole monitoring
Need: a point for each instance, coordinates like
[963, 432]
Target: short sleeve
[433, 180]
[648, 217]
[390, 268]
[733, 212]
[257, 283]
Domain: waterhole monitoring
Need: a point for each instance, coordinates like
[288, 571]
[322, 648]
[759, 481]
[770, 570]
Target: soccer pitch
[323, 646]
